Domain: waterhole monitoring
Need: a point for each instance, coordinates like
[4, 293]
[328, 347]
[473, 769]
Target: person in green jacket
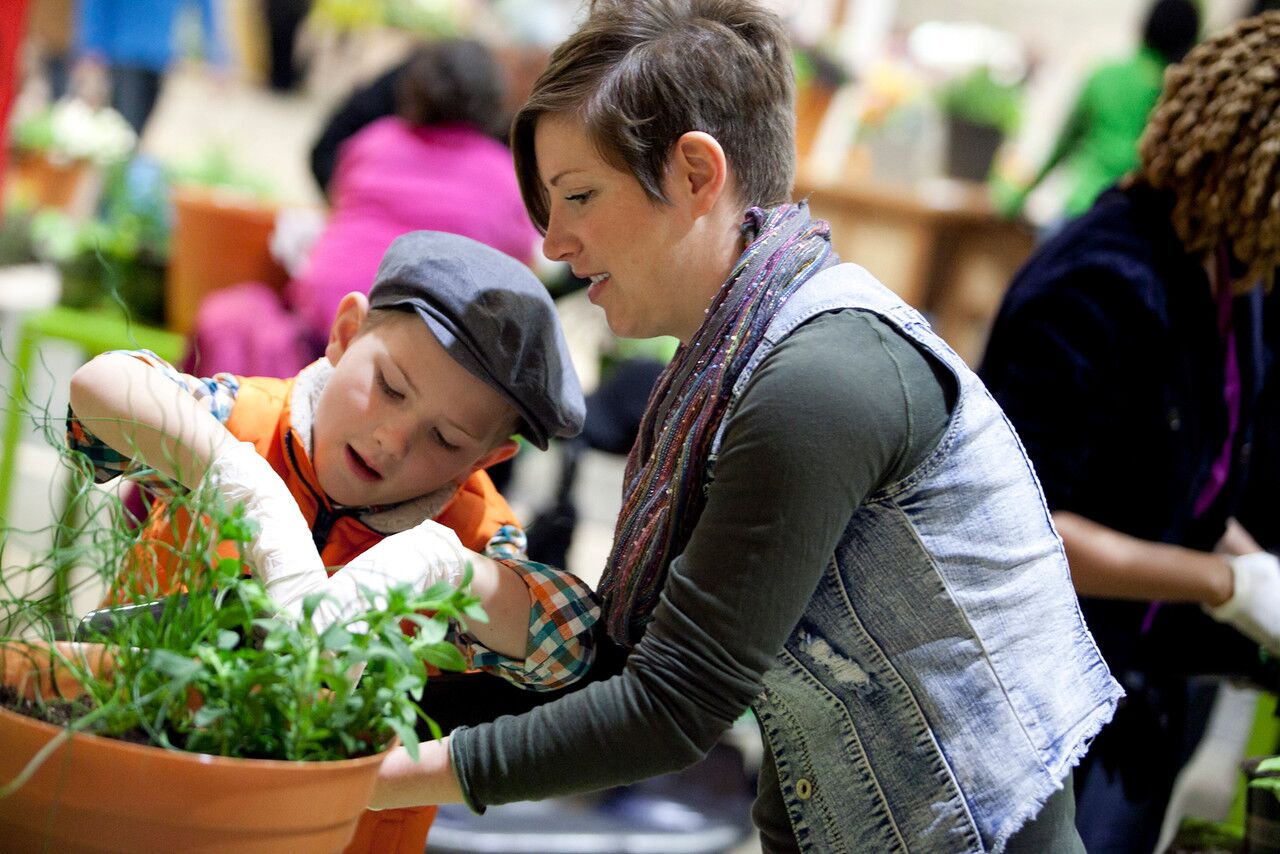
[1099, 141]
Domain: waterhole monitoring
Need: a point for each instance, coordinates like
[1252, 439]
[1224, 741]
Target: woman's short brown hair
[640, 73]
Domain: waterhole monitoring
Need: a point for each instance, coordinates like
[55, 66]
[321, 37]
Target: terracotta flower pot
[220, 238]
[43, 183]
[95, 794]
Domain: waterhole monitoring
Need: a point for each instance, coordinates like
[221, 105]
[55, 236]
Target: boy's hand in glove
[420, 557]
[283, 555]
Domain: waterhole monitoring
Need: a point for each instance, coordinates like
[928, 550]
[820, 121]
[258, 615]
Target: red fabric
[13, 18]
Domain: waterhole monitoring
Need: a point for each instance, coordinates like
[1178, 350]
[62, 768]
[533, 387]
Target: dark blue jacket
[1106, 357]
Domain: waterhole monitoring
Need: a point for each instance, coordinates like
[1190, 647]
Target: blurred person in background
[283, 19]
[130, 44]
[1133, 354]
[435, 165]
[1099, 140]
[365, 105]
[51, 31]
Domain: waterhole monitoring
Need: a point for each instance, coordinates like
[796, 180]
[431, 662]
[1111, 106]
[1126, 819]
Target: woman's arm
[1239, 584]
[1108, 564]
[780, 500]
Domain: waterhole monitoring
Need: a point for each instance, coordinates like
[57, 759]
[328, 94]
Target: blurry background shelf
[939, 245]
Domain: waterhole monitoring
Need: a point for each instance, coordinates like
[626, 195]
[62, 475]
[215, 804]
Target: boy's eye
[387, 389]
[445, 443]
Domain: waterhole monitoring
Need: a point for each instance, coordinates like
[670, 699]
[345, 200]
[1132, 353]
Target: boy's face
[603, 224]
[399, 418]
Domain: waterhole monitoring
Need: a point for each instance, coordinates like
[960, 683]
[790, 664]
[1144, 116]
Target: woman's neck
[714, 252]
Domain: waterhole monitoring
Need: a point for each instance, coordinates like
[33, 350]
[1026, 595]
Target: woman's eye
[580, 197]
[387, 389]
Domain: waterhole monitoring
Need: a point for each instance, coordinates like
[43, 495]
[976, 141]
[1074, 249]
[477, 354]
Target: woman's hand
[402, 782]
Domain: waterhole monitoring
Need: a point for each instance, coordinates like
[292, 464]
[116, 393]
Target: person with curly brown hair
[1133, 353]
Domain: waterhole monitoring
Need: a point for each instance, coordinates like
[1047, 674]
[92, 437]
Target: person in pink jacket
[437, 165]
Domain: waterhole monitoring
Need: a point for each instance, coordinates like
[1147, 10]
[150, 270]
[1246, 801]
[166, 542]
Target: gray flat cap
[494, 318]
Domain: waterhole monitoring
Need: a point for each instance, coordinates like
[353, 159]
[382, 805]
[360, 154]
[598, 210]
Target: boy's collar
[385, 518]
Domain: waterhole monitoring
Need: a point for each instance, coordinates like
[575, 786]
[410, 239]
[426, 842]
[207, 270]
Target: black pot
[971, 148]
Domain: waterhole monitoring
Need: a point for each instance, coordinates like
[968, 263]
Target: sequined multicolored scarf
[663, 493]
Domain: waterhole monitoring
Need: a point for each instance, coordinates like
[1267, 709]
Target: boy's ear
[700, 169]
[352, 311]
[500, 453]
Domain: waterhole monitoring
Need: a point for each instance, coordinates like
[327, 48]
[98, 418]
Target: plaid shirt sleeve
[216, 394]
[560, 622]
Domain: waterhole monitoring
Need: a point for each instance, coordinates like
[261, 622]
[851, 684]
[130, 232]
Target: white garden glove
[419, 557]
[1254, 606]
[283, 555]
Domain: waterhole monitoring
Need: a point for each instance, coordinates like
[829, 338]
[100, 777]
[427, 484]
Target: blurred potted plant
[210, 722]
[57, 149]
[223, 218]
[979, 110]
[121, 253]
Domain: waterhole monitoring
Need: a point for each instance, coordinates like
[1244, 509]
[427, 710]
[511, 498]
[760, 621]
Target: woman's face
[607, 229]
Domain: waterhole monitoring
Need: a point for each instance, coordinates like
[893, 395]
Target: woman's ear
[700, 169]
[352, 311]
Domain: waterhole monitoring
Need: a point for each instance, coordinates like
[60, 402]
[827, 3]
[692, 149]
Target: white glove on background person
[420, 557]
[1254, 606]
[283, 555]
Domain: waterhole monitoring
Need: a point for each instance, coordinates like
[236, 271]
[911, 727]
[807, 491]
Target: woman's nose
[558, 244]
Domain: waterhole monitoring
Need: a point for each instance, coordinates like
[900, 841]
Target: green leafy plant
[431, 18]
[216, 167]
[220, 670]
[1268, 779]
[980, 98]
[70, 129]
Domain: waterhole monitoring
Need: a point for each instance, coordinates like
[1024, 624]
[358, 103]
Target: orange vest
[261, 416]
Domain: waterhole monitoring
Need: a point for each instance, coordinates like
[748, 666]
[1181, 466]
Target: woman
[826, 518]
[1132, 354]
[434, 166]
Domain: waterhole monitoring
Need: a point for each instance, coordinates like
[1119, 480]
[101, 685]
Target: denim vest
[941, 682]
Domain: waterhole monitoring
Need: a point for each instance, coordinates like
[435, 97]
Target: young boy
[456, 348]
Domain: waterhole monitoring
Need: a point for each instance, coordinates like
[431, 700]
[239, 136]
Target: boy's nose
[393, 438]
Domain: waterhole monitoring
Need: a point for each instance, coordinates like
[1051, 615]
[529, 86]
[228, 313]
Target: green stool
[94, 331]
